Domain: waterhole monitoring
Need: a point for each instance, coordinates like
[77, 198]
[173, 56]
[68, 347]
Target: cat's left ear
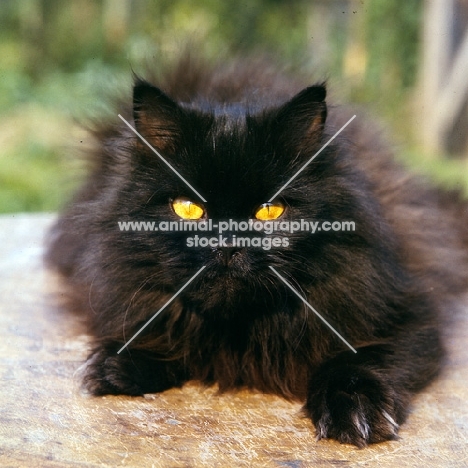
[305, 113]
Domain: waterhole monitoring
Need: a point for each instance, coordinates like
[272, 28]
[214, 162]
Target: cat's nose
[227, 254]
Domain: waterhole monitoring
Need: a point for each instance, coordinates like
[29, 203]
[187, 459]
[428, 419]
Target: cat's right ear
[156, 116]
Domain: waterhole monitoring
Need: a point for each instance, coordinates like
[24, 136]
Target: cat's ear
[156, 116]
[305, 113]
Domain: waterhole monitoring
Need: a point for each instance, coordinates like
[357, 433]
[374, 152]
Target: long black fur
[238, 134]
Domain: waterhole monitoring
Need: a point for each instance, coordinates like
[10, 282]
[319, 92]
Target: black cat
[238, 135]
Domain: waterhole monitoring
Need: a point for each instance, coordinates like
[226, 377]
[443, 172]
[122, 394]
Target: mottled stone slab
[46, 421]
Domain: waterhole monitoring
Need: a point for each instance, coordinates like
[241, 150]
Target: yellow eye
[269, 211]
[187, 209]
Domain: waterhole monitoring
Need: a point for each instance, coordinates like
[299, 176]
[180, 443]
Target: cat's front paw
[132, 372]
[353, 406]
[110, 373]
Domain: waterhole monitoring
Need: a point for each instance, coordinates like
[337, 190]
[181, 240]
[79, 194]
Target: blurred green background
[58, 61]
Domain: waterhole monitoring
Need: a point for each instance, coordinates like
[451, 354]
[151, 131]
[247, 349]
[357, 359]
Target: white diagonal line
[161, 309]
[313, 310]
[159, 155]
[312, 158]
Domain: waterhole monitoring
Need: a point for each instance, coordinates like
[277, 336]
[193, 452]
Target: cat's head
[238, 164]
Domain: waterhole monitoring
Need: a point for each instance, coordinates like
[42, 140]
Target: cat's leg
[363, 398]
[132, 372]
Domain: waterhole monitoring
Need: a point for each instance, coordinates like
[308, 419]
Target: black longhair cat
[238, 134]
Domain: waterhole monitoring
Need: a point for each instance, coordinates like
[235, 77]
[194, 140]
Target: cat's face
[236, 161]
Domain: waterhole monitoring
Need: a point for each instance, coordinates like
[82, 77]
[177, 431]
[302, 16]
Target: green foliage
[392, 37]
[58, 61]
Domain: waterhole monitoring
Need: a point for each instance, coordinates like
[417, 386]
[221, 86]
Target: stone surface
[46, 421]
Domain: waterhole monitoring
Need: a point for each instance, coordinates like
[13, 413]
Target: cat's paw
[353, 406]
[132, 372]
[108, 373]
